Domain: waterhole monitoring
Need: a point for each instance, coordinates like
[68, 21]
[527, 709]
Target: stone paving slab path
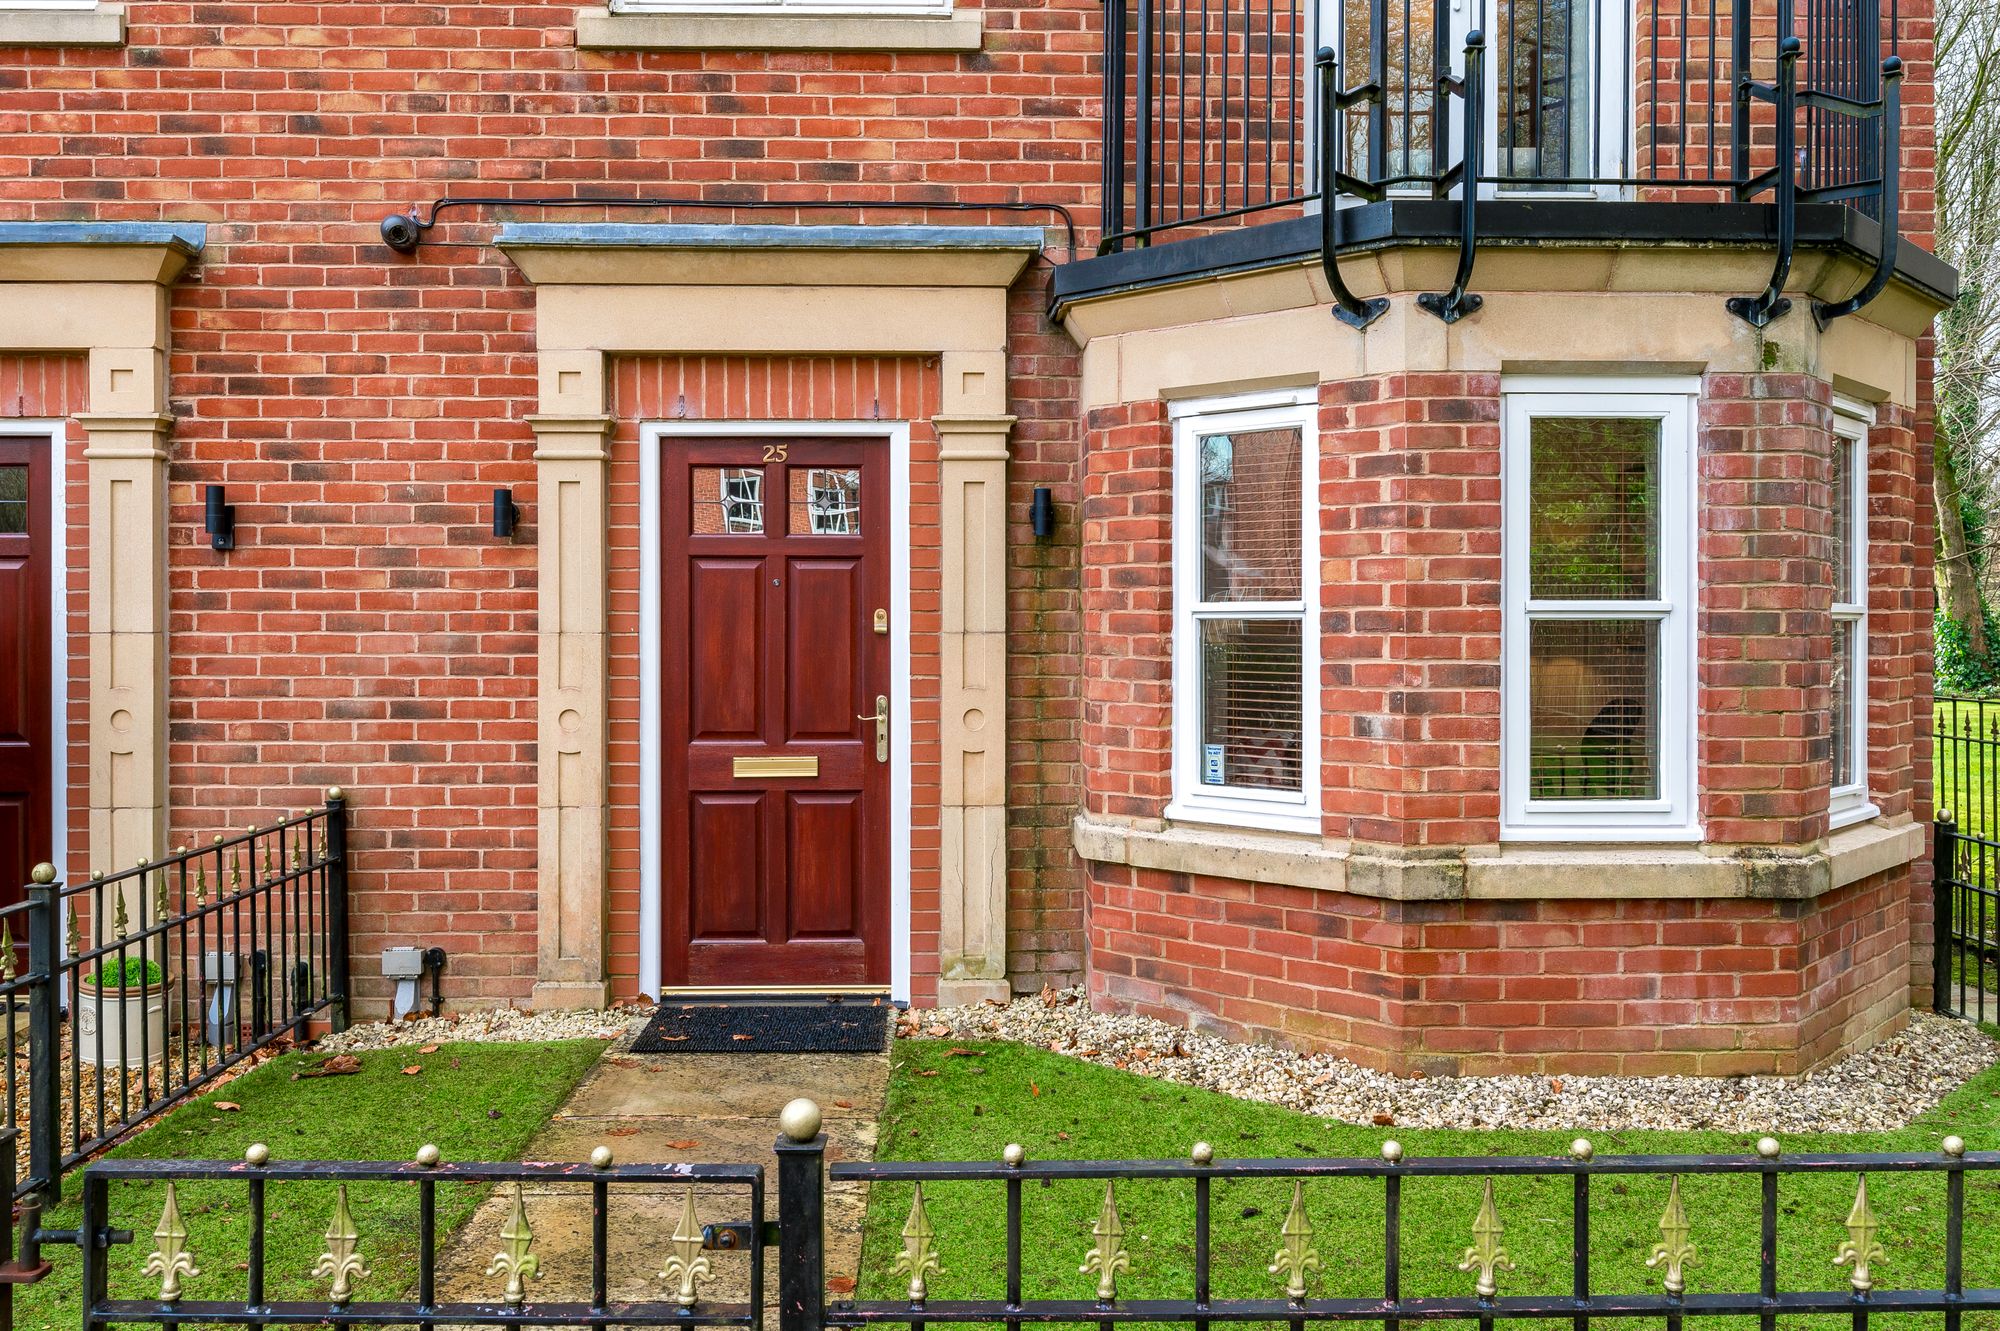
[676, 1108]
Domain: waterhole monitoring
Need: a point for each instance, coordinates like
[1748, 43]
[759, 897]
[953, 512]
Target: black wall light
[219, 520]
[1042, 513]
[506, 514]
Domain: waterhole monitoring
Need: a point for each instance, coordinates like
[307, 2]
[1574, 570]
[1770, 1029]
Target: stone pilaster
[572, 463]
[972, 650]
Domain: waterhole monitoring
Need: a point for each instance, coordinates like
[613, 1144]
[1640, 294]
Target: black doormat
[767, 1026]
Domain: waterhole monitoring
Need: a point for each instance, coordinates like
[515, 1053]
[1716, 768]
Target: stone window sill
[1567, 872]
[102, 26]
[603, 30]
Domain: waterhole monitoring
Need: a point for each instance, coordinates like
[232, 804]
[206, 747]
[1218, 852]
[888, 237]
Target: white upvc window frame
[1850, 803]
[1675, 814]
[1193, 801]
[49, 4]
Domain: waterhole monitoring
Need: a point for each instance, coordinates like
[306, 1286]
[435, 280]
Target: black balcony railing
[1219, 112]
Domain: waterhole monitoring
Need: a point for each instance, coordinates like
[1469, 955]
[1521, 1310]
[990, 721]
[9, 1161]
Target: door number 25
[775, 452]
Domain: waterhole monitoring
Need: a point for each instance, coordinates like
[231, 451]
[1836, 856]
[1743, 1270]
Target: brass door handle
[880, 716]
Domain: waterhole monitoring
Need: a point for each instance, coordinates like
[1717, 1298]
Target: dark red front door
[774, 656]
[26, 795]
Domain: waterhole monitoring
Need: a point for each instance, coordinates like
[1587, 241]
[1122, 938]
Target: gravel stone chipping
[1881, 1088]
[490, 1026]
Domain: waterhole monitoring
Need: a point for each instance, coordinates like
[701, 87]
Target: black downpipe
[1758, 311]
[1349, 308]
[1455, 304]
[1825, 312]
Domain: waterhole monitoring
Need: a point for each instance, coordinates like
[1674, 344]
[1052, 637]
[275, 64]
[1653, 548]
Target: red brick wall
[1722, 988]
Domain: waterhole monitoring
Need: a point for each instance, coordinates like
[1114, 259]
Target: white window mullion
[1848, 801]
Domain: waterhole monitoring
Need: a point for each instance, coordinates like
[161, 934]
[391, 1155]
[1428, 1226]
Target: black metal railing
[1213, 116]
[1965, 856]
[131, 991]
[184, 1283]
[188, 1280]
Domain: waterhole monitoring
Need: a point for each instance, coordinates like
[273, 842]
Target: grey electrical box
[402, 963]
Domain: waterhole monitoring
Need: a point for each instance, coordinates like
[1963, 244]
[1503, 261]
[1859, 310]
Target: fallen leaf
[413, 1069]
[340, 1065]
[1034, 1089]
[1385, 1120]
[684, 1144]
[428, 1049]
[1556, 1085]
[956, 1052]
[226, 1106]
[840, 1284]
[843, 1104]
[1062, 1136]
[928, 1072]
[940, 1029]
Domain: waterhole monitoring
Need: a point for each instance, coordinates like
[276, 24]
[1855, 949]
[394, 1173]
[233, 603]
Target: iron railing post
[1378, 74]
[1114, 124]
[1455, 304]
[1758, 311]
[1739, 59]
[92, 1239]
[45, 1033]
[1142, 106]
[1943, 860]
[801, 1150]
[339, 954]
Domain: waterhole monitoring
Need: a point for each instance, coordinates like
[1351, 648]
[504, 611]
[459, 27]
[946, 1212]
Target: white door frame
[653, 439]
[54, 433]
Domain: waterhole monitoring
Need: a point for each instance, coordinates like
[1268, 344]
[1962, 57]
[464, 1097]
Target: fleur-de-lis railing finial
[160, 894]
[342, 1258]
[1109, 1257]
[200, 884]
[686, 1262]
[236, 870]
[1297, 1256]
[1675, 1251]
[1861, 1247]
[919, 1256]
[121, 923]
[171, 1260]
[514, 1260]
[1486, 1255]
[6, 952]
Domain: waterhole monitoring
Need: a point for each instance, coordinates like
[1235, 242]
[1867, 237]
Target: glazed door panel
[27, 797]
[775, 796]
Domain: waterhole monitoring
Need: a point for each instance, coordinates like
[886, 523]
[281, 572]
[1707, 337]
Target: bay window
[1597, 677]
[1246, 653]
[1849, 557]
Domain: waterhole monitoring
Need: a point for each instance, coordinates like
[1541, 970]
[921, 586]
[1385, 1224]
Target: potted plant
[121, 1014]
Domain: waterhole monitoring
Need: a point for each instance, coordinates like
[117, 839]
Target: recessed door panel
[27, 782]
[774, 805]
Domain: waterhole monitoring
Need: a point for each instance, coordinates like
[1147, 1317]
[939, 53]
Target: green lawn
[1062, 1108]
[1964, 757]
[473, 1101]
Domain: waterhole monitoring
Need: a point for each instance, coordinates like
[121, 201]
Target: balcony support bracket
[1349, 308]
[1825, 312]
[1760, 310]
[1457, 303]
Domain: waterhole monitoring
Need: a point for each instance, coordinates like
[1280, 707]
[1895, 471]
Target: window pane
[1843, 703]
[1250, 704]
[1594, 520]
[728, 501]
[1843, 520]
[826, 501]
[13, 499]
[1593, 704]
[1543, 66]
[1250, 516]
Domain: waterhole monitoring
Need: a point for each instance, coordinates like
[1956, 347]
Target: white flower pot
[123, 1027]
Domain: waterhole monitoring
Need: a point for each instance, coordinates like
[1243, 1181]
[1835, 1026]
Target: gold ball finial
[1768, 1148]
[43, 873]
[1014, 1155]
[800, 1120]
[428, 1155]
[601, 1158]
[1392, 1151]
[257, 1156]
[335, 793]
[1582, 1149]
[1202, 1154]
[1954, 1146]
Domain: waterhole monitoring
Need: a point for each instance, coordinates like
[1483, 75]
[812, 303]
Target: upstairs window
[1246, 655]
[1598, 712]
[894, 7]
[1849, 558]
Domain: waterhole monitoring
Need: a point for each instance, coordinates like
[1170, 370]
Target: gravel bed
[1881, 1088]
[489, 1026]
